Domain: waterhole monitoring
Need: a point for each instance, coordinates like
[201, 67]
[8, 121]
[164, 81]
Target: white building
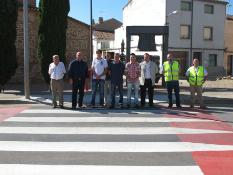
[199, 30]
[103, 35]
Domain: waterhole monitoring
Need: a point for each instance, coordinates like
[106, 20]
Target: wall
[77, 39]
[228, 44]
[200, 20]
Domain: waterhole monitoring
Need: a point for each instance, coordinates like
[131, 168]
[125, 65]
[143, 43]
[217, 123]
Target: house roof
[108, 25]
[104, 35]
[230, 17]
[213, 1]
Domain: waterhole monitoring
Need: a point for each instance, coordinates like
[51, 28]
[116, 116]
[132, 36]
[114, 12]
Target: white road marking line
[107, 130]
[102, 119]
[111, 146]
[12, 169]
[63, 111]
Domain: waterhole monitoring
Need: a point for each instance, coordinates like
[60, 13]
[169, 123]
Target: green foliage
[52, 32]
[8, 19]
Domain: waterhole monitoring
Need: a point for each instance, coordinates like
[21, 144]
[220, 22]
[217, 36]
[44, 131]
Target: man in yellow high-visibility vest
[171, 69]
[196, 77]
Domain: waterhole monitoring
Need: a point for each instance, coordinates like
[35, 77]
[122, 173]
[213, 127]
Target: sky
[80, 9]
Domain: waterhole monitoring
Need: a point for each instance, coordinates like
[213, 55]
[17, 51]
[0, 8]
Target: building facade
[103, 35]
[196, 28]
[77, 38]
[228, 57]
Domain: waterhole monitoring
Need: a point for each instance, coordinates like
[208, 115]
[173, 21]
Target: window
[212, 60]
[208, 33]
[209, 9]
[185, 6]
[184, 31]
[105, 45]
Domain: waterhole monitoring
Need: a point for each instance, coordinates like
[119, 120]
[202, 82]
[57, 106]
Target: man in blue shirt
[116, 71]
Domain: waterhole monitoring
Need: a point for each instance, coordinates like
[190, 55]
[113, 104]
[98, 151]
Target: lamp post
[91, 32]
[26, 50]
[169, 14]
[191, 35]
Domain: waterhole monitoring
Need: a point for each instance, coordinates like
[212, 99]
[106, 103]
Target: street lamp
[169, 14]
[91, 32]
[191, 35]
[26, 50]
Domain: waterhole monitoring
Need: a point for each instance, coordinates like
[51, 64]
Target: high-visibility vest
[196, 78]
[171, 71]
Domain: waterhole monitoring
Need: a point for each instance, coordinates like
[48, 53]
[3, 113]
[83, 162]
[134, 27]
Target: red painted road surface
[8, 112]
[214, 162]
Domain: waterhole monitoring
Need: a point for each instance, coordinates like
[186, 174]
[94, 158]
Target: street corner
[7, 112]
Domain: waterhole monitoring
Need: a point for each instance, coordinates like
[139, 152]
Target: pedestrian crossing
[45, 142]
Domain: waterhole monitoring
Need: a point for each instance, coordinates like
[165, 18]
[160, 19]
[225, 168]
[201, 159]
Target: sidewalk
[214, 95]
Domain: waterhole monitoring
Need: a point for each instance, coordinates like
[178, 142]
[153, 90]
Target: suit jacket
[153, 71]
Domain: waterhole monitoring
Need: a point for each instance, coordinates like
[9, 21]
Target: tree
[8, 19]
[52, 32]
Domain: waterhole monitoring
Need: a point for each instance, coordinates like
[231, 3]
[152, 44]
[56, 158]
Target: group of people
[107, 77]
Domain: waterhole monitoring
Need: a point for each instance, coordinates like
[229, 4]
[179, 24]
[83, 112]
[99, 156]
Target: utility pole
[26, 50]
[191, 35]
[91, 32]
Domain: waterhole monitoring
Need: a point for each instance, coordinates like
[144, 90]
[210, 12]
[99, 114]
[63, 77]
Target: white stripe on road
[106, 130]
[8, 169]
[111, 146]
[102, 119]
[63, 111]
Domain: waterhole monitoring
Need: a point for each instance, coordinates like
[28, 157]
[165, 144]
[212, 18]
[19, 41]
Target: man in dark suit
[77, 73]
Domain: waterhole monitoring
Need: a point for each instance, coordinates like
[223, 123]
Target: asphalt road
[38, 140]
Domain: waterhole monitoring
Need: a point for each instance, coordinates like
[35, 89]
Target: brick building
[78, 38]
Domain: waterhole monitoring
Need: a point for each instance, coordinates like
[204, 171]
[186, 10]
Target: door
[230, 65]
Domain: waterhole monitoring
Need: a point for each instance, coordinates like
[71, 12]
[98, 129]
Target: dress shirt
[147, 71]
[57, 72]
[196, 69]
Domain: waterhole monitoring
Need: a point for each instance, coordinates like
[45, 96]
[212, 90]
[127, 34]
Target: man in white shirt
[99, 68]
[147, 79]
[57, 71]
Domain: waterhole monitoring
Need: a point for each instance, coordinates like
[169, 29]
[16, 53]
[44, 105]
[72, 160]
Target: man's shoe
[169, 106]
[179, 106]
[137, 106]
[54, 106]
[111, 107]
[82, 106]
[191, 106]
[203, 107]
[128, 105]
[61, 106]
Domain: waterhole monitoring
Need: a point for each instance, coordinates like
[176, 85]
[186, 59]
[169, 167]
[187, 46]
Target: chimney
[101, 20]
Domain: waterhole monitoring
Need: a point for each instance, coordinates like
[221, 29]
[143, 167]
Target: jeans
[78, 87]
[107, 92]
[97, 84]
[134, 86]
[113, 91]
[170, 86]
